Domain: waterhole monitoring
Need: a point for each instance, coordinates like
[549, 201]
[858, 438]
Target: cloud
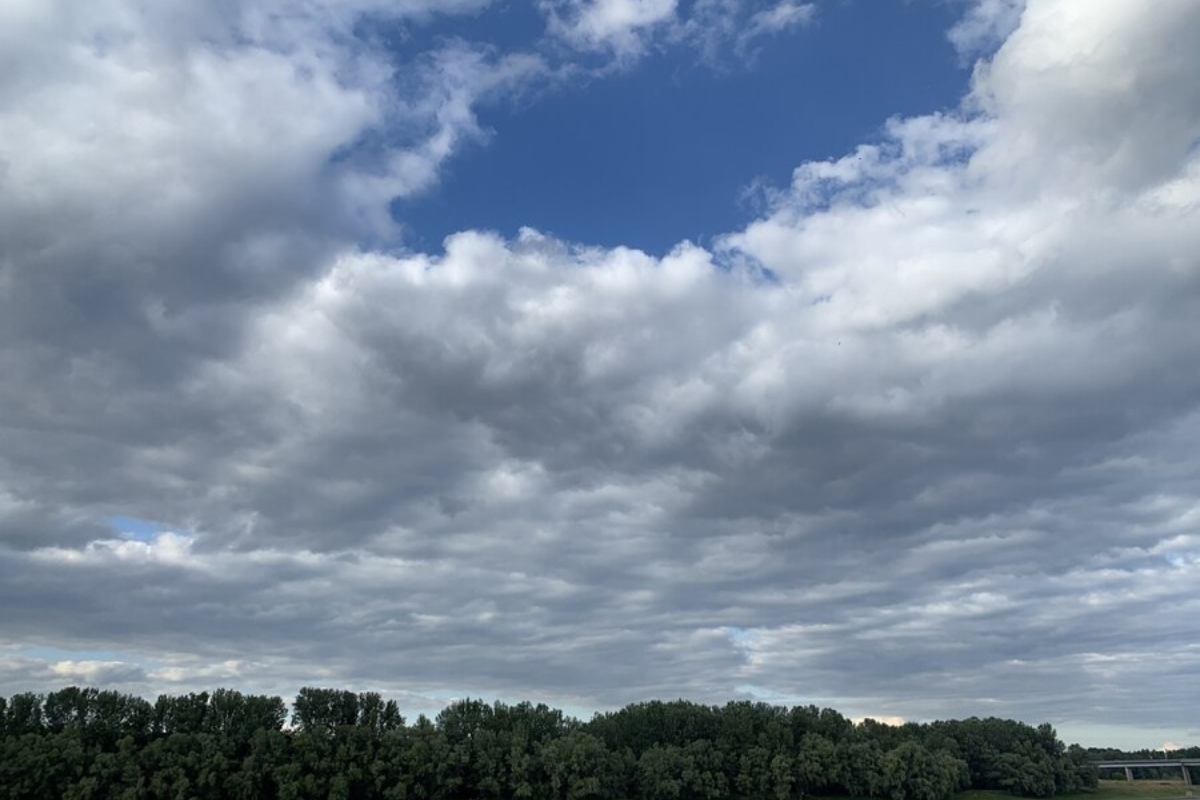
[776, 19]
[920, 435]
[97, 673]
[198, 160]
[985, 26]
[619, 25]
[162, 175]
[628, 29]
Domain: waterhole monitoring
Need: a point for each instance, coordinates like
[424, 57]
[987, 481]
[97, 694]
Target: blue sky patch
[143, 530]
[665, 152]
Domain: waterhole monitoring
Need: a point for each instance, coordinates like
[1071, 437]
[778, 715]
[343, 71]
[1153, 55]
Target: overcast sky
[591, 351]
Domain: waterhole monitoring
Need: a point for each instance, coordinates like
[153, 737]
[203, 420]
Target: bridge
[1183, 764]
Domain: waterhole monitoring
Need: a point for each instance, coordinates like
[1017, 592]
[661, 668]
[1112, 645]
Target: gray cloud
[916, 442]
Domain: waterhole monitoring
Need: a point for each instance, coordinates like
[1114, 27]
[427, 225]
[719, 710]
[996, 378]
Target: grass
[1108, 790]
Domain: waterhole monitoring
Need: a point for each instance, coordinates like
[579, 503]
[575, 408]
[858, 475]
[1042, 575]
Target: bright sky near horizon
[589, 351]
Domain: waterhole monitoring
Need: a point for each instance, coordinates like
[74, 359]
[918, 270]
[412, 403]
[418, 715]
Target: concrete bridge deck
[1183, 764]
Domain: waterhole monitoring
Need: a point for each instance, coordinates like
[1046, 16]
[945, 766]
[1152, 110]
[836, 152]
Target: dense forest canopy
[88, 743]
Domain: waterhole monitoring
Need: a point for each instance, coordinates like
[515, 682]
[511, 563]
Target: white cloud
[629, 28]
[778, 18]
[97, 673]
[142, 128]
[985, 26]
[619, 25]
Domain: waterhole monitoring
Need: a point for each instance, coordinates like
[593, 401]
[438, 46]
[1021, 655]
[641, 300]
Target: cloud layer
[916, 442]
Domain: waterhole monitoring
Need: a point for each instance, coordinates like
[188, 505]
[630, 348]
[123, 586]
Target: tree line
[81, 743]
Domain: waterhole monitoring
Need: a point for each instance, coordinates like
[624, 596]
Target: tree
[322, 711]
[816, 764]
[782, 777]
[858, 767]
[911, 772]
[578, 766]
[24, 715]
[82, 743]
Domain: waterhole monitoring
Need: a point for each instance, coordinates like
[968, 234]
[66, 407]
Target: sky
[593, 351]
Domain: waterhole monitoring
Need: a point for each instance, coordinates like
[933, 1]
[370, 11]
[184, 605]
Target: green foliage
[669, 772]
[578, 766]
[80, 743]
[859, 766]
[911, 772]
[816, 764]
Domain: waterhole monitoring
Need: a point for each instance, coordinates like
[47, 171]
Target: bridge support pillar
[1187, 776]
[1128, 774]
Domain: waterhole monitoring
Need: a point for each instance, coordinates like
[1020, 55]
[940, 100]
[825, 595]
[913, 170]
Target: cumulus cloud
[202, 156]
[162, 173]
[916, 442]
